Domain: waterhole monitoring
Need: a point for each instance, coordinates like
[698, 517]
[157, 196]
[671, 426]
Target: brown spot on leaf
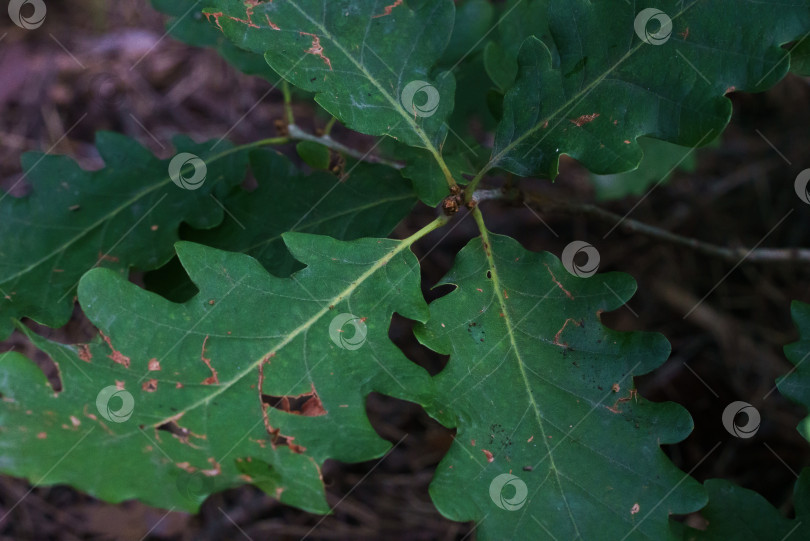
[84, 353]
[150, 386]
[317, 49]
[216, 470]
[116, 355]
[306, 404]
[154, 364]
[584, 119]
[107, 257]
[181, 433]
[186, 467]
[213, 379]
[388, 9]
[275, 433]
[270, 23]
[557, 336]
[635, 509]
[216, 17]
[42, 435]
[490, 457]
[554, 279]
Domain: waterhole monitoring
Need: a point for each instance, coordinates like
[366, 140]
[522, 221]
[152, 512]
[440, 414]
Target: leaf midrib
[574, 100]
[391, 100]
[496, 284]
[107, 217]
[381, 263]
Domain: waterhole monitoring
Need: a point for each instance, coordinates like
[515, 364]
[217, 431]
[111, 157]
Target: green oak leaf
[190, 26]
[800, 57]
[124, 215]
[593, 77]
[313, 154]
[368, 61]
[553, 441]
[501, 69]
[796, 384]
[426, 175]
[368, 202]
[738, 514]
[252, 369]
[473, 19]
[660, 160]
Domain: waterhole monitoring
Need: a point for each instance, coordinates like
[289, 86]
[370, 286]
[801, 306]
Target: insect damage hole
[306, 404]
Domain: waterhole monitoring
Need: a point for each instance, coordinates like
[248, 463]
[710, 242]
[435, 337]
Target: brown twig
[759, 255]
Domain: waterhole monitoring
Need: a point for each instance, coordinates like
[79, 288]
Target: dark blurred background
[96, 65]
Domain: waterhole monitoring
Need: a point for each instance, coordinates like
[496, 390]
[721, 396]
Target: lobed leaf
[553, 441]
[740, 514]
[124, 215]
[368, 202]
[245, 382]
[369, 63]
[593, 78]
[660, 160]
[796, 383]
[187, 24]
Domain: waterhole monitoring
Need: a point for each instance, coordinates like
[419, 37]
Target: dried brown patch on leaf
[559, 284]
[388, 9]
[306, 404]
[317, 49]
[116, 355]
[213, 379]
[276, 437]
